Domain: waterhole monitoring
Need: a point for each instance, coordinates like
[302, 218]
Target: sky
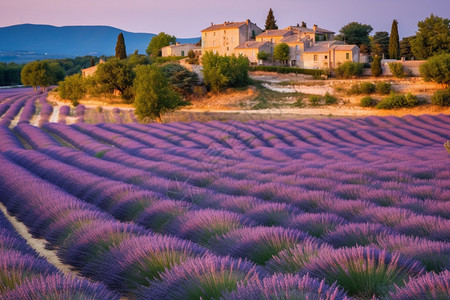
[186, 18]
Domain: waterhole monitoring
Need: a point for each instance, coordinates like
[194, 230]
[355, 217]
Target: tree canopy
[394, 42]
[380, 43]
[271, 23]
[281, 52]
[224, 71]
[154, 94]
[405, 47]
[437, 69]
[121, 51]
[432, 37]
[115, 74]
[159, 41]
[41, 73]
[356, 33]
[183, 80]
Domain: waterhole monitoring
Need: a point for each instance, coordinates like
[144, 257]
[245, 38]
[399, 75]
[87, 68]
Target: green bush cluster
[362, 88]
[437, 69]
[383, 88]
[398, 101]
[368, 102]
[285, 70]
[441, 97]
[314, 100]
[397, 69]
[330, 99]
[349, 70]
[225, 71]
[73, 88]
[10, 74]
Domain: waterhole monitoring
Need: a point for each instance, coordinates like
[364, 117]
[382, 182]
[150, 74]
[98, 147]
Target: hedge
[285, 70]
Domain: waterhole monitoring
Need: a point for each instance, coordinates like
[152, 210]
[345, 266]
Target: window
[228, 48]
[206, 34]
[347, 55]
[326, 56]
[316, 57]
[182, 53]
[214, 34]
[297, 47]
[224, 32]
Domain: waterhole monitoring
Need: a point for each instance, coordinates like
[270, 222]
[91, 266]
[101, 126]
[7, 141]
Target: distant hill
[70, 41]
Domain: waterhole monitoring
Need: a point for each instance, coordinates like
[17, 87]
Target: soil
[237, 103]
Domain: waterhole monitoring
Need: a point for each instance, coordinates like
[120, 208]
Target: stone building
[179, 49]
[224, 38]
[312, 48]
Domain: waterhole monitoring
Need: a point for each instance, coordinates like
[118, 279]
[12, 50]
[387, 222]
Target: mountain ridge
[72, 40]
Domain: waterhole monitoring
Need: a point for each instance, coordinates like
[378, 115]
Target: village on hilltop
[309, 48]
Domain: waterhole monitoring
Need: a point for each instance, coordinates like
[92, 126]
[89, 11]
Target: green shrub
[329, 99]
[72, 88]
[368, 102]
[285, 70]
[397, 69]
[383, 88]
[354, 89]
[437, 69]
[314, 100]
[376, 66]
[441, 97]
[367, 88]
[349, 70]
[298, 103]
[225, 71]
[397, 101]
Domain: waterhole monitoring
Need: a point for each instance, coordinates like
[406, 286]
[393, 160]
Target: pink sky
[188, 17]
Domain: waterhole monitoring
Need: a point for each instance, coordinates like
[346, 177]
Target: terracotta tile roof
[292, 39]
[251, 45]
[320, 47]
[226, 25]
[276, 32]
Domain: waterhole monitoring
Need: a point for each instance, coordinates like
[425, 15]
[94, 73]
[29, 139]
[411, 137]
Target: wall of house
[223, 41]
[177, 50]
[296, 54]
[252, 54]
[320, 63]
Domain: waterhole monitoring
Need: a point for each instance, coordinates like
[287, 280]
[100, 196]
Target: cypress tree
[376, 66]
[394, 43]
[92, 62]
[271, 23]
[121, 52]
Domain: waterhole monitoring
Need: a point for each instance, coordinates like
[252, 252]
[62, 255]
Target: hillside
[68, 41]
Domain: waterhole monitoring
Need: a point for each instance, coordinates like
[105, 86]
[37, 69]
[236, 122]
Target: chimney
[315, 27]
[247, 21]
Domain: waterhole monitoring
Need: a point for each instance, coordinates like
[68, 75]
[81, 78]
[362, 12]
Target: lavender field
[298, 209]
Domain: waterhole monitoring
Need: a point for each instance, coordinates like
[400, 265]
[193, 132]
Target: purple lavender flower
[61, 287]
[293, 259]
[429, 286]
[201, 225]
[257, 243]
[285, 287]
[355, 234]
[138, 261]
[363, 271]
[202, 278]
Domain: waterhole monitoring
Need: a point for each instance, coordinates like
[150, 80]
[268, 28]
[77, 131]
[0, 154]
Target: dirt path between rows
[38, 244]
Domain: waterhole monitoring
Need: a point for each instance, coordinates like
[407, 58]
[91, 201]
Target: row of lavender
[26, 275]
[125, 256]
[262, 235]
